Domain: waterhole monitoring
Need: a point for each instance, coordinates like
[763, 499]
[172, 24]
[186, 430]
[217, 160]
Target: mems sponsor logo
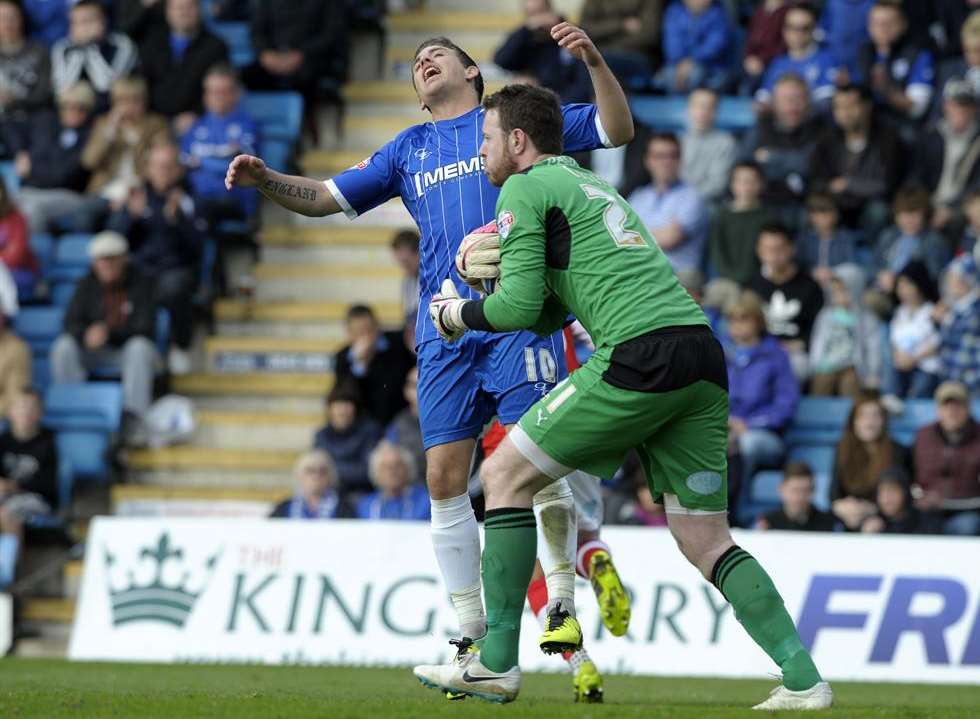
[452, 171]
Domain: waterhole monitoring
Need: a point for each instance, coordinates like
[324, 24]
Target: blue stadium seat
[917, 414]
[71, 260]
[39, 326]
[85, 417]
[61, 292]
[238, 39]
[280, 117]
[41, 372]
[42, 245]
[10, 178]
[759, 496]
[818, 421]
[820, 459]
[670, 112]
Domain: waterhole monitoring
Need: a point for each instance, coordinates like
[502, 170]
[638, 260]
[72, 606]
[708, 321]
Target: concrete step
[342, 283]
[302, 320]
[445, 21]
[72, 582]
[341, 255]
[279, 386]
[129, 494]
[292, 431]
[270, 354]
[49, 611]
[192, 466]
[349, 235]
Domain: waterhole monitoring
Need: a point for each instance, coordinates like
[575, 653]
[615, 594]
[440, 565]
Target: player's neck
[530, 159]
[450, 109]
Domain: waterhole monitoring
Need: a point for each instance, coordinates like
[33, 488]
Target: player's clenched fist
[245, 171]
[446, 311]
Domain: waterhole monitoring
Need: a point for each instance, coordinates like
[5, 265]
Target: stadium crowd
[832, 240]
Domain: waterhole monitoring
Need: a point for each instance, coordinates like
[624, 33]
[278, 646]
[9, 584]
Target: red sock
[537, 596]
[585, 552]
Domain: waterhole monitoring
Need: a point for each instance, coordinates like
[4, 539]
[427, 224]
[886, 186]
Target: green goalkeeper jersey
[569, 243]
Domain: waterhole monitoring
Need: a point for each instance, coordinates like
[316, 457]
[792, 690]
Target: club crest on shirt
[362, 164]
[504, 222]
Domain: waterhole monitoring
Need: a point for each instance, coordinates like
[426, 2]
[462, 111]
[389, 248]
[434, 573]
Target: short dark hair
[345, 391]
[356, 311]
[464, 58]
[863, 91]
[89, 3]
[890, 5]
[224, 69]
[748, 165]
[805, 7]
[665, 137]
[406, 238]
[776, 228]
[797, 469]
[912, 199]
[534, 110]
[821, 202]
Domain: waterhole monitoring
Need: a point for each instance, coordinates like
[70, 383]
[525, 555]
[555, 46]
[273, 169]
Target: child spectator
[398, 496]
[736, 228]
[913, 338]
[865, 451]
[707, 153]
[824, 247]
[405, 430]
[15, 355]
[947, 462]
[15, 251]
[845, 27]
[910, 238]
[697, 38]
[959, 331]
[28, 476]
[376, 362]
[349, 436]
[845, 350]
[763, 393]
[91, 52]
[317, 495]
[793, 298]
[49, 163]
[25, 75]
[896, 512]
[174, 58]
[797, 513]
[804, 57]
[671, 209]
[764, 40]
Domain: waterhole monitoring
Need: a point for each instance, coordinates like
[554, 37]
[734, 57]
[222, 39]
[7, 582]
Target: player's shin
[456, 541]
[508, 563]
[554, 509]
[759, 609]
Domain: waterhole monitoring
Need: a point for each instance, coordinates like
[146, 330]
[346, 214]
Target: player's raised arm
[300, 194]
[614, 108]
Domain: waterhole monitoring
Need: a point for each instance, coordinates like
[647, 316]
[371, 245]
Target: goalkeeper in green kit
[657, 383]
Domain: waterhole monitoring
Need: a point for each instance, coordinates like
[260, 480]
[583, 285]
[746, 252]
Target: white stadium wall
[282, 592]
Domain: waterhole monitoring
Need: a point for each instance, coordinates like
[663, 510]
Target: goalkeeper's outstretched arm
[300, 194]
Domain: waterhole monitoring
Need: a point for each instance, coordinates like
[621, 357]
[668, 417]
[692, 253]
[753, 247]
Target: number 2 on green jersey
[614, 216]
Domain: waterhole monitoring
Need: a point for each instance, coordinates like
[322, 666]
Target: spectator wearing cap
[897, 513]
[165, 235]
[915, 367]
[15, 354]
[91, 52]
[803, 57]
[859, 160]
[110, 321]
[530, 52]
[47, 19]
[627, 32]
[899, 71]
[959, 331]
[120, 143]
[317, 493]
[707, 153]
[375, 362]
[735, 229]
[671, 209]
[49, 163]
[25, 74]
[697, 38]
[399, 496]
[15, 250]
[222, 132]
[947, 462]
[948, 157]
[174, 57]
[349, 436]
[797, 512]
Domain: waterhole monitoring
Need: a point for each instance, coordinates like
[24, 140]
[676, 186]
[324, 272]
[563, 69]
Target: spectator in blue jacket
[48, 19]
[166, 235]
[845, 29]
[225, 130]
[317, 493]
[697, 38]
[392, 470]
[823, 245]
[763, 392]
[349, 436]
[803, 57]
[531, 52]
[959, 332]
[910, 238]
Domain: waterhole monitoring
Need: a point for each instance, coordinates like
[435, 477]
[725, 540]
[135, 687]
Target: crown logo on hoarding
[156, 601]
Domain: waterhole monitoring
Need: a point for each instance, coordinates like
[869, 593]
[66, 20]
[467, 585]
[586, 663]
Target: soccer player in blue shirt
[435, 168]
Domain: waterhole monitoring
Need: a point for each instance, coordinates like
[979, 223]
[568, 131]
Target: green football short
[664, 394]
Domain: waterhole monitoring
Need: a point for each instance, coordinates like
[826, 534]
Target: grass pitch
[54, 689]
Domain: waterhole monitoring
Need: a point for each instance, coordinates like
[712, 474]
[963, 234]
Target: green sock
[759, 609]
[510, 547]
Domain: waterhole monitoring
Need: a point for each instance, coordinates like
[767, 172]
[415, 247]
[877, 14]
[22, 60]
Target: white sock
[554, 509]
[456, 541]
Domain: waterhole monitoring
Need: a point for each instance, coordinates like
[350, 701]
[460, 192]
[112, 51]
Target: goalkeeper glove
[446, 311]
[478, 258]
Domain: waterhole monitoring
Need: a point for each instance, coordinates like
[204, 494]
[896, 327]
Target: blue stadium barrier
[280, 117]
[670, 112]
[85, 417]
[39, 326]
[238, 38]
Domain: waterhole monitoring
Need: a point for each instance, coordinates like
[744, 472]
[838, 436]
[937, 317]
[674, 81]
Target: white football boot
[819, 696]
[466, 676]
